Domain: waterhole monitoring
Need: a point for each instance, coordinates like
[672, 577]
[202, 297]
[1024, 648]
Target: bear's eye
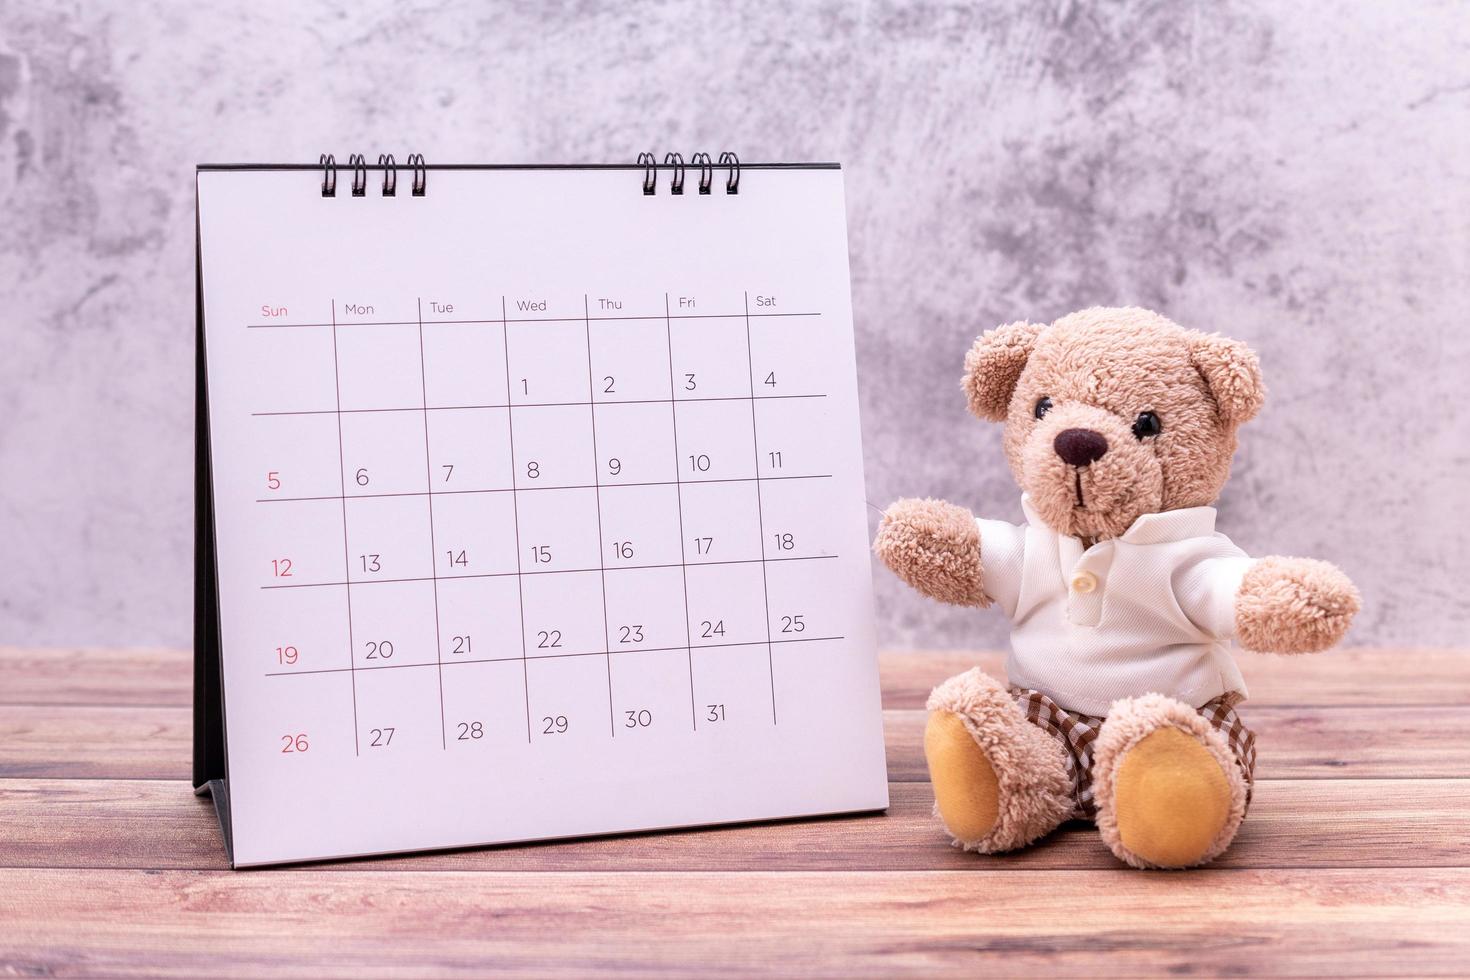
[1147, 424]
[1043, 406]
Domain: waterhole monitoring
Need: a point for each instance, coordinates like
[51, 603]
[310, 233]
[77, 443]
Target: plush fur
[1294, 605]
[1103, 376]
[1101, 368]
[1034, 792]
[935, 547]
[1128, 724]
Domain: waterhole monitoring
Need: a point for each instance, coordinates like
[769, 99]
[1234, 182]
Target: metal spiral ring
[358, 163]
[676, 183]
[420, 174]
[390, 174]
[706, 171]
[649, 163]
[732, 179]
[329, 175]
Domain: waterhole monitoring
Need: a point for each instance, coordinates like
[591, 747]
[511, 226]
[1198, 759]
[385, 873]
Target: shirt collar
[1160, 528]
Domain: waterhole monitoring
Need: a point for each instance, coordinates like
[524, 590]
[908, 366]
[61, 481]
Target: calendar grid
[760, 507]
[679, 503]
[516, 520]
[612, 726]
[433, 544]
[552, 571]
[569, 486]
[346, 549]
[555, 656]
[534, 319]
[521, 573]
[604, 401]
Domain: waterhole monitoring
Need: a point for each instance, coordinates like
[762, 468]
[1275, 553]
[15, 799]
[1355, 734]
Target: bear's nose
[1079, 447]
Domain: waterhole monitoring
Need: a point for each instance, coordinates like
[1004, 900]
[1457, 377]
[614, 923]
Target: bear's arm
[1268, 605]
[1294, 605]
[935, 547]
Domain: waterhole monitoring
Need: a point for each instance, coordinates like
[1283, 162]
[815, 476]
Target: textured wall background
[1291, 174]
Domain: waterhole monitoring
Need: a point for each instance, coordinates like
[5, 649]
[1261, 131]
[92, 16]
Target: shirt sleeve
[1002, 558]
[1205, 587]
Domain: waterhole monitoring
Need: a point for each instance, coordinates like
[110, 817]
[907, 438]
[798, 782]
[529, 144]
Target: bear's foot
[1169, 792]
[999, 782]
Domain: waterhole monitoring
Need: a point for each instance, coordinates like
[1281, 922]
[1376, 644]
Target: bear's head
[1111, 414]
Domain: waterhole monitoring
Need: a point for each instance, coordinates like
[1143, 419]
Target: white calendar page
[538, 508]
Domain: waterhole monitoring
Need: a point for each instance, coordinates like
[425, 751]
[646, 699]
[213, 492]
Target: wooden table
[1355, 858]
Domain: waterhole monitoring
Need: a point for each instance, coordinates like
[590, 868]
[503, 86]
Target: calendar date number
[291, 744]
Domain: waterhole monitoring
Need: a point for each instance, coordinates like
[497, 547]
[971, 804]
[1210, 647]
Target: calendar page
[538, 508]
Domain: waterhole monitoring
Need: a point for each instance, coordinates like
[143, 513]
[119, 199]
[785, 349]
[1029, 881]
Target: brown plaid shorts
[1077, 733]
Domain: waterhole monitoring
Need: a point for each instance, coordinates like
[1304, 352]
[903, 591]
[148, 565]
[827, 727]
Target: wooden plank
[1339, 923]
[103, 742]
[1293, 823]
[1338, 677]
[1344, 676]
[85, 675]
[93, 742]
[1359, 742]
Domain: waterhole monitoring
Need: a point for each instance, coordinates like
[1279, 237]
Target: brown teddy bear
[1119, 427]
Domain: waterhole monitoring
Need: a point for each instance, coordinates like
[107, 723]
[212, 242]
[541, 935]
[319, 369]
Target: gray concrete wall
[1291, 174]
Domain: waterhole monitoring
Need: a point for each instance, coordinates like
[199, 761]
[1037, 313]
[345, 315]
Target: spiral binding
[676, 183]
[674, 163]
[329, 175]
[420, 174]
[732, 174]
[706, 171]
[386, 162]
[649, 163]
[390, 174]
[358, 163]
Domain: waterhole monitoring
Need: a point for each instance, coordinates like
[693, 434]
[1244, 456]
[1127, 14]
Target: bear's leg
[999, 781]
[1170, 791]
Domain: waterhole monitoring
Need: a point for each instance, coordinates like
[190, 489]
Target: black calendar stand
[209, 710]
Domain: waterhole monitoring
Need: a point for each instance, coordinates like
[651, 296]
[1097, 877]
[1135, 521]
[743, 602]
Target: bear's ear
[994, 365]
[1233, 374]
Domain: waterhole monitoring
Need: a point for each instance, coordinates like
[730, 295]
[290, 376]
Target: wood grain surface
[1354, 861]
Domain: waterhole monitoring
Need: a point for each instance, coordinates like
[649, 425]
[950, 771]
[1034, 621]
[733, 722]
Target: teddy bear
[1122, 694]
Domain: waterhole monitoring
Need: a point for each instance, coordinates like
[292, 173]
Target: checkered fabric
[1078, 733]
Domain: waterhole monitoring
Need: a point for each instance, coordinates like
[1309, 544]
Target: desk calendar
[530, 505]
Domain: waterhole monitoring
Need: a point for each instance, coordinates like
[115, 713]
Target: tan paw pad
[965, 786]
[1171, 799]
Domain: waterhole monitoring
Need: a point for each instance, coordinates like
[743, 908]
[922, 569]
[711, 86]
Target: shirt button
[1084, 582]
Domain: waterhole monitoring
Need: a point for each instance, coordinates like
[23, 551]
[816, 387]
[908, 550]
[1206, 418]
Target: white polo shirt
[1152, 611]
